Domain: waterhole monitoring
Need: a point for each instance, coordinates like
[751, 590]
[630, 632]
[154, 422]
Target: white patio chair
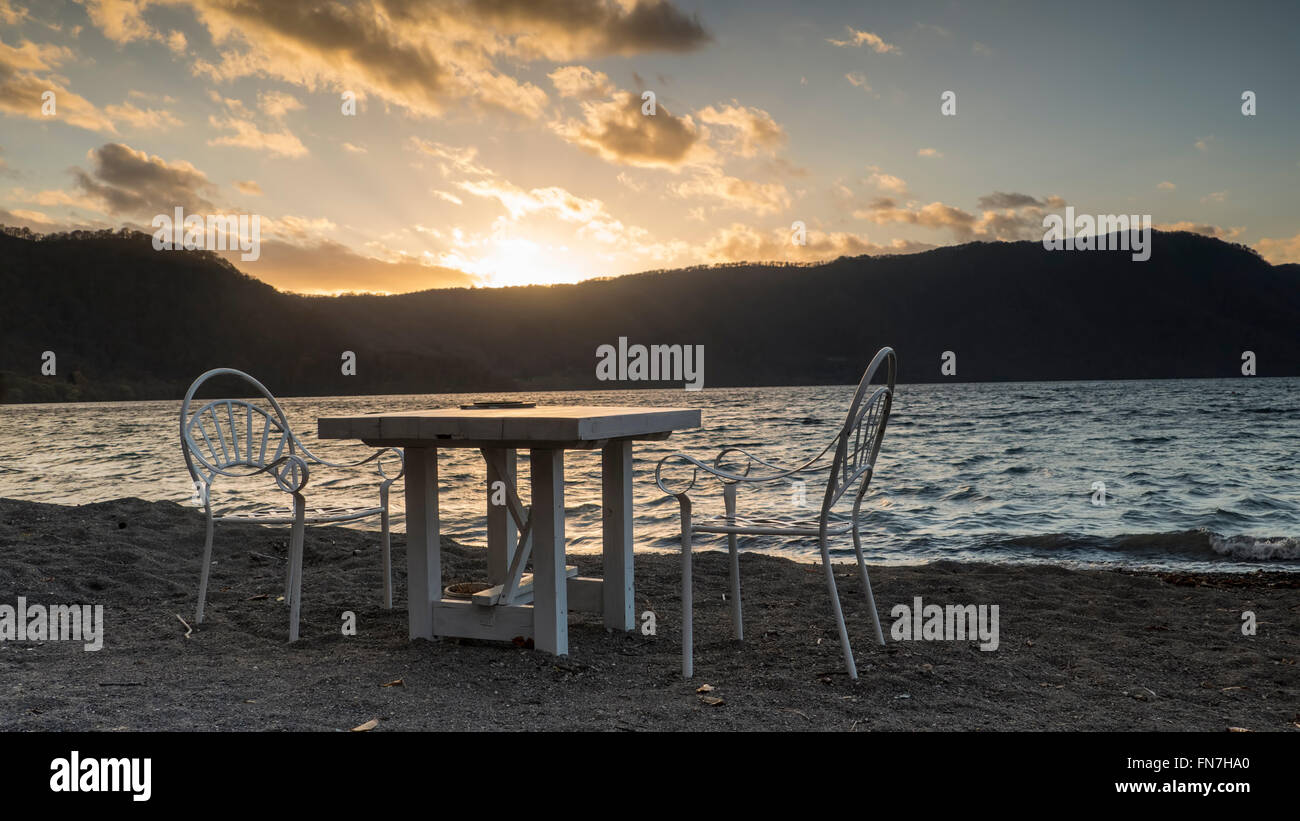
[854, 450]
[236, 438]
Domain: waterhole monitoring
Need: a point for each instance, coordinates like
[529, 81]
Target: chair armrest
[778, 471]
[401, 464]
[750, 461]
[291, 472]
[728, 475]
[724, 476]
[374, 457]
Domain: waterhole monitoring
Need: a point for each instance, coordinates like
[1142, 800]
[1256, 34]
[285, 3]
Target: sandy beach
[1078, 650]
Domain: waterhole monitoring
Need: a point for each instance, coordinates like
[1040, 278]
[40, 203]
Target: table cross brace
[523, 520]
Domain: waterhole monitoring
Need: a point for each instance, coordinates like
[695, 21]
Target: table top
[457, 427]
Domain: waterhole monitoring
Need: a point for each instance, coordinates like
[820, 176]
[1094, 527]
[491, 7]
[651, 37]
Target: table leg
[616, 515]
[550, 586]
[502, 535]
[423, 558]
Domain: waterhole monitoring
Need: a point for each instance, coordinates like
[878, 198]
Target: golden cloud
[616, 131]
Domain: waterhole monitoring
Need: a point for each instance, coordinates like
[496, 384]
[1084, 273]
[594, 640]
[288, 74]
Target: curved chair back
[232, 433]
[858, 442]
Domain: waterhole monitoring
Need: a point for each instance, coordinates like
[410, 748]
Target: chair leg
[386, 550]
[866, 582]
[207, 565]
[839, 613]
[295, 565]
[288, 570]
[737, 620]
[688, 638]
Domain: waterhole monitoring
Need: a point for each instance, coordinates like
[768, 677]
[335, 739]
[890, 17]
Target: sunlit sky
[502, 142]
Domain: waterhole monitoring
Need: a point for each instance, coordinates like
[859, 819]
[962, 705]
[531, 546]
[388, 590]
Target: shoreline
[1063, 381]
[1079, 649]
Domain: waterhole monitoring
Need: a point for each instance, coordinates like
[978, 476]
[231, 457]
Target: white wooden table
[514, 532]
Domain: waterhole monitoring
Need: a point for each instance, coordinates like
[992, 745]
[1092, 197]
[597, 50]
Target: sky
[510, 142]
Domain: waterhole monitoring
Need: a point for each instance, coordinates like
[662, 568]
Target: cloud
[631, 183]
[1006, 216]
[354, 149]
[55, 198]
[1215, 197]
[597, 224]
[131, 182]
[1279, 251]
[1010, 224]
[580, 81]
[421, 61]
[29, 56]
[616, 131]
[1202, 228]
[931, 153]
[324, 266]
[143, 119]
[419, 56]
[858, 80]
[864, 38]
[25, 75]
[121, 20]
[504, 92]
[519, 202]
[745, 243]
[461, 160]
[11, 15]
[176, 42]
[32, 220]
[248, 187]
[1166, 186]
[760, 198]
[886, 182]
[749, 130]
[980, 50]
[246, 134]
[446, 197]
[1000, 199]
[275, 104]
[564, 29]
[1203, 143]
[934, 215]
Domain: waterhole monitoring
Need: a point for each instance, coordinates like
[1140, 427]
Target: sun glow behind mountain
[391, 147]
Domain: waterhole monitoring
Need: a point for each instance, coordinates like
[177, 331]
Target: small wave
[1183, 544]
[1230, 515]
[1256, 548]
[1171, 542]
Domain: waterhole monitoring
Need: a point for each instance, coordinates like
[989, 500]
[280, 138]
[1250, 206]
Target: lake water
[1198, 474]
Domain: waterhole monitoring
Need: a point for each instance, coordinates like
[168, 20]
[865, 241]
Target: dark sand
[1080, 650]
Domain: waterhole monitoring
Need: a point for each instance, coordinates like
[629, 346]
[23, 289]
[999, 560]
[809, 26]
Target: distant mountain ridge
[127, 322]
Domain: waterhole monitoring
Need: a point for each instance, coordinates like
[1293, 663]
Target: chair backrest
[858, 443]
[232, 433]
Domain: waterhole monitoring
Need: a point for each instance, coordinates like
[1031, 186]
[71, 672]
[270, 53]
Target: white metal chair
[236, 438]
[854, 450]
